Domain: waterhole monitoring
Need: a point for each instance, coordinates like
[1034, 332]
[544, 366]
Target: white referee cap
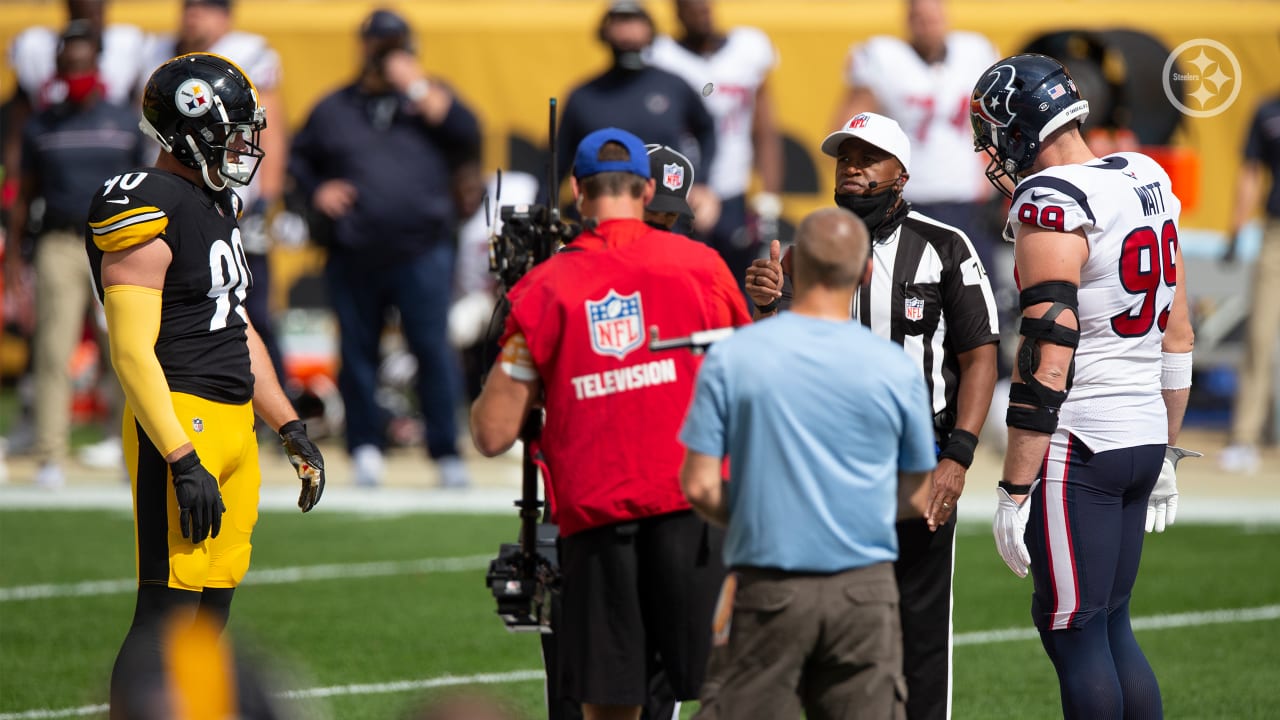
[876, 129]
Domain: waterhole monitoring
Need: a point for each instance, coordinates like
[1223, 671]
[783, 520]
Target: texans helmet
[204, 110]
[1016, 105]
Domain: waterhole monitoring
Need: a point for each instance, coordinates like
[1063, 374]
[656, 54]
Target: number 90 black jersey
[202, 345]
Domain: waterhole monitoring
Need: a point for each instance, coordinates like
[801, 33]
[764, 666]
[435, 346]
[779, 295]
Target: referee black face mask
[874, 209]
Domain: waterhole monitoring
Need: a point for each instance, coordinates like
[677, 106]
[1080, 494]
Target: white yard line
[987, 637]
[265, 576]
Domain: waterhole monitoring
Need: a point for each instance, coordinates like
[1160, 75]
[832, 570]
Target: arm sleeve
[705, 425]
[967, 299]
[916, 448]
[133, 324]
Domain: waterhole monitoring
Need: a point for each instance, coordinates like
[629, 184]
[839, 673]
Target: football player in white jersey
[1102, 377]
[206, 26]
[730, 69]
[33, 51]
[923, 83]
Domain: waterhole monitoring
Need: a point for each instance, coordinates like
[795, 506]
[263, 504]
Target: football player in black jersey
[170, 269]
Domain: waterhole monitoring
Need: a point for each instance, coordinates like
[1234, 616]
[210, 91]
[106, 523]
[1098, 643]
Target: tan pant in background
[827, 645]
[64, 300]
[1254, 393]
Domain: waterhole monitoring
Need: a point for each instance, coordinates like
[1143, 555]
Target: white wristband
[1175, 371]
[417, 89]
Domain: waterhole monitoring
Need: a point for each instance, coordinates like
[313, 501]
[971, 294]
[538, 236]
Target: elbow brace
[1043, 402]
[133, 324]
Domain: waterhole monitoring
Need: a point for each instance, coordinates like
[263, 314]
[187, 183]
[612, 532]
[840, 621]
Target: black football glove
[306, 459]
[199, 498]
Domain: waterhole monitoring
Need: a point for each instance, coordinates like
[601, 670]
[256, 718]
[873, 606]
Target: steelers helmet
[204, 110]
[1016, 105]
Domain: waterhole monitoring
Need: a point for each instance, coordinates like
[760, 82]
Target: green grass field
[418, 622]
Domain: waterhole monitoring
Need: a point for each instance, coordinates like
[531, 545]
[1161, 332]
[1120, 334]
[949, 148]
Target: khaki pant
[830, 645]
[1254, 396]
[64, 298]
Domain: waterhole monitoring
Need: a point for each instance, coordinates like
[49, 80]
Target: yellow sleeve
[133, 324]
[128, 228]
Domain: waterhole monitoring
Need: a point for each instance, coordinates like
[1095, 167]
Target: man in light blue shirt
[822, 460]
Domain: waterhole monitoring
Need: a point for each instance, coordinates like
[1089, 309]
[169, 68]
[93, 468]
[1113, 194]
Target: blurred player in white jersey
[206, 26]
[33, 51]
[730, 69]
[924, 82]
[1101, 382]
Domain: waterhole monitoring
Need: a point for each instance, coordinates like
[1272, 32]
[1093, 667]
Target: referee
[929, 294]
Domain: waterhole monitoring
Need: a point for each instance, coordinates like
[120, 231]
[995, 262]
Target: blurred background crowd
[369, 248]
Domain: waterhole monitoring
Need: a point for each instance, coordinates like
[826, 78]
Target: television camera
[526, 575]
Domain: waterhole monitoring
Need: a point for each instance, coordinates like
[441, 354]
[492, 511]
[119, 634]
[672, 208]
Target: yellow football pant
[224, 439]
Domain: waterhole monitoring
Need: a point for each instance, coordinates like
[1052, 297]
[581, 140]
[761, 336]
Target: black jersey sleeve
[131, 209]
[967, 297]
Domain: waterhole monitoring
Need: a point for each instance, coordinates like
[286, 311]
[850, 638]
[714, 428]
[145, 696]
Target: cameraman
[379, 161]
[640, 575]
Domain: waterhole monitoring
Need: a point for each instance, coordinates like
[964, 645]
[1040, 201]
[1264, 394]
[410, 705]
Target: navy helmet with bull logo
[1016, 105]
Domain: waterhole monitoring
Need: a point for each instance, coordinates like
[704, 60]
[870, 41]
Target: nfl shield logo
[914, 309]
[616, 323]
[197, 424]
[672, 176]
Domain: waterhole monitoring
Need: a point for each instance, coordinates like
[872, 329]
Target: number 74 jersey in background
[1125, 207]
[201, 345]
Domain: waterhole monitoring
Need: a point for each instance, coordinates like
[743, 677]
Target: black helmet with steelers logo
[204, 110]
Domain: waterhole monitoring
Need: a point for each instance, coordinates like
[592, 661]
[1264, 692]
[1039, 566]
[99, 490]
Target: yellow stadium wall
[506, 57]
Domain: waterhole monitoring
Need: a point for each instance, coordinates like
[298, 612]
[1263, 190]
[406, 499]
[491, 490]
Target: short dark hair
[831, 249]
[613, 183]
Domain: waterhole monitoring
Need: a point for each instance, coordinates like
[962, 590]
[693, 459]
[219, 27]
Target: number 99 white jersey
[1125, 206]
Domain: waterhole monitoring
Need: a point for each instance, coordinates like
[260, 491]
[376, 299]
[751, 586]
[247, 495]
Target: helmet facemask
[232, 147]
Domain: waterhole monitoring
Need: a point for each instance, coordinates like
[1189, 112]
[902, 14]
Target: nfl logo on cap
[672, 176]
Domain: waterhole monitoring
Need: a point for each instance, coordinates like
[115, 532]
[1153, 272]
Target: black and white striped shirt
[930, 294]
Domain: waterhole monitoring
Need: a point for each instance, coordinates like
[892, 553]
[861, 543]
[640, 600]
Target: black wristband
[771, 307]
[292, 426]
[1015, 489]
[960, 446]
[184, 463]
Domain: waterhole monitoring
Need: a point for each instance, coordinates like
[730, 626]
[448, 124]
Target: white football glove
[1162, 506]
[1009, 528]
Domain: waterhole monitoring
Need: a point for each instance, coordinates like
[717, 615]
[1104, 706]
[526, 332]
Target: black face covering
[873, 209]
[628, 60]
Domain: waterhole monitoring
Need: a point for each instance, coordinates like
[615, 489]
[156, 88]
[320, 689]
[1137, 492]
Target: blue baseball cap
[586, 162]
